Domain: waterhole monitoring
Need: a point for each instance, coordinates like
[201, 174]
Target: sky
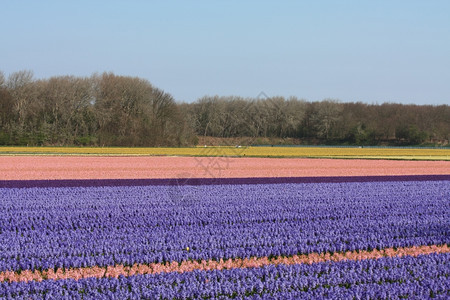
[369, 51]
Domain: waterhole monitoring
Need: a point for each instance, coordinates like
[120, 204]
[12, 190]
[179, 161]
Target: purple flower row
[43, 228]
[213, 181]
[387, 278]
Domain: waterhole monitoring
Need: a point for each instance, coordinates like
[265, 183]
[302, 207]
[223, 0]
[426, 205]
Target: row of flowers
[425, 276]
[233, 151]
[189, 266]
[45, 228]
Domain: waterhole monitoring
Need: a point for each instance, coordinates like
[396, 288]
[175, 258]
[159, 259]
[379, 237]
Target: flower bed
[278, 237]
[87, 167]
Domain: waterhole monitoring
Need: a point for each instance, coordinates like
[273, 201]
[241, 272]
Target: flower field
[100, 167]
[315, 152]
[256, 229]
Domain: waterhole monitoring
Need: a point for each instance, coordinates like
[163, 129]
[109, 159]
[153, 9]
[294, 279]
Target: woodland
[111, 110]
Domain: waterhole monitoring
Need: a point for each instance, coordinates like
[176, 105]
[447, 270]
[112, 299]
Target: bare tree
[2, 80]
[6, 105]
[327, 113]
[130, 111]
[20, 86]
[67, 109]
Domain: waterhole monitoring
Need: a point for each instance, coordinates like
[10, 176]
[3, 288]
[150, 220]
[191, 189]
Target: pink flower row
[188, 266]
[100, 167]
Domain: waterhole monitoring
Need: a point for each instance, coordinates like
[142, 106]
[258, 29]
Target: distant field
[311, 152]
[48, 167]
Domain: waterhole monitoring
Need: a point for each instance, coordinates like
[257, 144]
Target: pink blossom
[188, 266]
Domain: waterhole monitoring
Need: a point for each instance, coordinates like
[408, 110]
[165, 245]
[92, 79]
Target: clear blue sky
[369, 51]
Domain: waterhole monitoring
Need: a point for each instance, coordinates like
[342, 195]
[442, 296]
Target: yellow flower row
[324, 152]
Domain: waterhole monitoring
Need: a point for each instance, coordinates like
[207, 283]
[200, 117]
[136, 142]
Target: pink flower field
[88, 167]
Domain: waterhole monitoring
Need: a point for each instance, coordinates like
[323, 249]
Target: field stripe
[189, 266]
[248, 151]
[212, 181]
[80, 167]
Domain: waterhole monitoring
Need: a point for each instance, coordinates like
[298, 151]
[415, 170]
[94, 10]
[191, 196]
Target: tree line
[111, 110]
[103, 110]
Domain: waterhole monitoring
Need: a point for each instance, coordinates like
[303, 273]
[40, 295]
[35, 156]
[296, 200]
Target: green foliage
[410, 135]
[85, 141]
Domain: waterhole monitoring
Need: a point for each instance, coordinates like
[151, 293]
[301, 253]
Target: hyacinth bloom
[421, 277]
[209, 234]
[189, 266]
[75, 227]
[182, 168]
